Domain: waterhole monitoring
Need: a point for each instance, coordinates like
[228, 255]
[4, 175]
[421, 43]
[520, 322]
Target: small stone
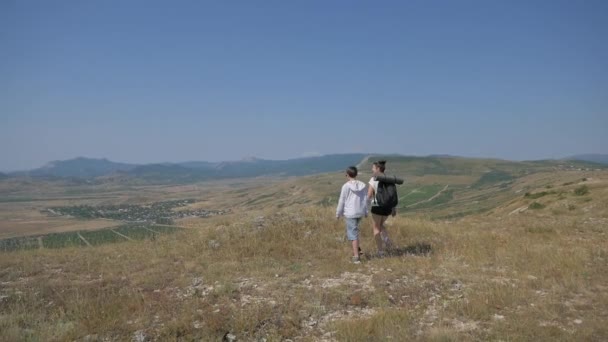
[531, 277]
[498, 317]
[214, 244]
[197, 325]
[578, 321]
[229, 337]
[140, 336]
[197, 281]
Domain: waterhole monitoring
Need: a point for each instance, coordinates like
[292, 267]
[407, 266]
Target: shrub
[581, 190]
[536, 205]
[537, 195]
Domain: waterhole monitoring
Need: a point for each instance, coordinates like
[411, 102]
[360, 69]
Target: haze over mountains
[89, 168]
[106, 170]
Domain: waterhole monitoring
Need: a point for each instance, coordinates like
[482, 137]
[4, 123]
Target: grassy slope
[535, 274]
[474, 185]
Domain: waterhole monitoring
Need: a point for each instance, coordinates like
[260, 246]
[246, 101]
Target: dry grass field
[534, 267]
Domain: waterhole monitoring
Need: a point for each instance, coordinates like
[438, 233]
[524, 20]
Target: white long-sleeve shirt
[353, 200]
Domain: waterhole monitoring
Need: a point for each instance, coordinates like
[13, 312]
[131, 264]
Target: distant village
[159, 212]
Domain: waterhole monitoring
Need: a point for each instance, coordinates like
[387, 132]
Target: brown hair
[351, 171]
[380, 164]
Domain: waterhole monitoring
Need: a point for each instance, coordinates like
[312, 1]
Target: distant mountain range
[79, 168]
[594, 158]
[105, 170]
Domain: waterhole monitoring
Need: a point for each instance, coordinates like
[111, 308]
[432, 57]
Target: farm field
[475, 248]
[86, 238]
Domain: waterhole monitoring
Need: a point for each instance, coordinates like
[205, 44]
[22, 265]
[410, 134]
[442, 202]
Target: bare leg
[378, 226]
[355, 247]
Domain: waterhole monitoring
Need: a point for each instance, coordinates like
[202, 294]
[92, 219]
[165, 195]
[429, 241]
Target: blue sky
[154, 81]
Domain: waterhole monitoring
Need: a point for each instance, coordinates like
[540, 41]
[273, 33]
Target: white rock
[578, 321]
[498, 317]
[197, 281]
[139, 336]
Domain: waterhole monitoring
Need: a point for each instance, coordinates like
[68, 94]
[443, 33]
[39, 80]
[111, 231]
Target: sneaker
[356, 260]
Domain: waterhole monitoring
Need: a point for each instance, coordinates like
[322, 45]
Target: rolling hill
[441, 187]
[80, 167]
[193, 171]
[530, 266]
[595, 158]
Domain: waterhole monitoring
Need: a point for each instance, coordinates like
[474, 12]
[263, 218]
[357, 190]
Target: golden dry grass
[288, 275]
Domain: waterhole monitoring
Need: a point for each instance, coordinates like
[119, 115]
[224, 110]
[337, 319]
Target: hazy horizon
[203, 81]
[289, 158]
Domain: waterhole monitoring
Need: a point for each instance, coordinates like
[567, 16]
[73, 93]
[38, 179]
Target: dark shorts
[382, 211]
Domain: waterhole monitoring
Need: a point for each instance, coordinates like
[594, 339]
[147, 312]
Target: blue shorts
[352, 228]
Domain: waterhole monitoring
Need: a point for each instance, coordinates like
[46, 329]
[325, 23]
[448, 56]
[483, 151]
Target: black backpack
[386, 196]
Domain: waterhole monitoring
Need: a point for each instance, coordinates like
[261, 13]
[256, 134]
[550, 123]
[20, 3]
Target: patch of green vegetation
[536, 206]
[26, 242]
[581, 190]
[261, 198]
[326, 202]
[136, 232]
[538, 194]
[101, 237]
[164, 229]
[22, 199]
[94, 237]
[418, 194]
[492, 177]
[61, 240]
[443, 198]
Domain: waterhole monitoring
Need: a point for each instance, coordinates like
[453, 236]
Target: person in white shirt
[353, 206]
[379, 214]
